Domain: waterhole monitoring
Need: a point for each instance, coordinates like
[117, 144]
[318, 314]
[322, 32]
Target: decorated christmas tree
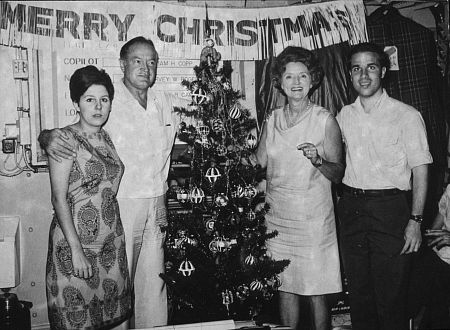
[217, 265]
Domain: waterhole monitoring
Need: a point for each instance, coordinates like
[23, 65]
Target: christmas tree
[217, 265]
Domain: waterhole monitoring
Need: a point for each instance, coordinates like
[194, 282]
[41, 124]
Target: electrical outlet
[8, 146]
[20, 69]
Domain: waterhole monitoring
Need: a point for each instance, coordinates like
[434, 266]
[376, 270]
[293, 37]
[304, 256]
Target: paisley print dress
[105, 298]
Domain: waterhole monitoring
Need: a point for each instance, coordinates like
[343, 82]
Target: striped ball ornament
[235, 111]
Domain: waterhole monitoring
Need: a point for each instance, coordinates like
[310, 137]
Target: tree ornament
[197, 195]
[221, 150]
[234, 219]
[251, 141]
[227, 85]
[250, 260]
[213, 245]
[227, 298]
[202, 130]
[212, 174]
[217, 125]
[209, 55]
[240, 191]
[251, 215]
[267, 293]
[210, 224]
[229, 162]
[242, 292]
[250, 191]
[221, 244]
[198, 96]
[235, 111]
[256, 285]
[274, 282]
[209, 98]
[186, 268]
[221, 200]
[191, 241]
[182, 195]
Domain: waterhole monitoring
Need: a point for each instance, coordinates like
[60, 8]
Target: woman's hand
[82, 267]
[310, 152]
[438, 238]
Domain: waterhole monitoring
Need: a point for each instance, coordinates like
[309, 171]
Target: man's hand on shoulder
[413, 237]
[56, 145]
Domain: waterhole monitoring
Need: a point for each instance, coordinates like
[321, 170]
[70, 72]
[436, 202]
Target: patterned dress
[105, 298]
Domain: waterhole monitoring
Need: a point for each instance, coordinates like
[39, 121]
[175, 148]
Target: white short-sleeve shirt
[382, 146]
[143, 139]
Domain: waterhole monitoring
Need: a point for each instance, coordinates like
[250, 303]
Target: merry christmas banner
[179, 30]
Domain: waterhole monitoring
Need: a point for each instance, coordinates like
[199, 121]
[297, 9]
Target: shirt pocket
[387, 145]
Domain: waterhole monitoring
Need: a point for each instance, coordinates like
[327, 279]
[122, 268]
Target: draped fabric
[333, 93]
[416, 83]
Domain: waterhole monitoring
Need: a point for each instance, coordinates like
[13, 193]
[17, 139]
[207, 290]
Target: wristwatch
[416, 217]
[319, 161]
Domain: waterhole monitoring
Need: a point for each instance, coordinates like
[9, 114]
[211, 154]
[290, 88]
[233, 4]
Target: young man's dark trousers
[372, 237]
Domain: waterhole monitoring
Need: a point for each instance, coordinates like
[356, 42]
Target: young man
[387, 154]
[142, 127]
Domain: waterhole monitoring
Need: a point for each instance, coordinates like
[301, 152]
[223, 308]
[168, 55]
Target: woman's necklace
[293, 120]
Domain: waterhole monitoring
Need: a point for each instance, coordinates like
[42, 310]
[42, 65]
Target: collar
[125, 96]
[383, 97]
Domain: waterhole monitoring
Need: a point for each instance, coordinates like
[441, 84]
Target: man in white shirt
[387, 154]
[142, 127]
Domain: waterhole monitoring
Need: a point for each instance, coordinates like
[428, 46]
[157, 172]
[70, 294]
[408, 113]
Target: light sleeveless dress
[301, 206]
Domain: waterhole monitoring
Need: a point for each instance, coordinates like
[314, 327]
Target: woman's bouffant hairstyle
[87, 76]
[296, 54]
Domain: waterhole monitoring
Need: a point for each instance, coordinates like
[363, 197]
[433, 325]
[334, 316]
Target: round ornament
[221, 150]
[221, 200]
[197, 195]
[210, 224]
[198, 96]
[186, 268]
[227, 85]
[235, 111]
[250, 191]
[250, 260]
[251, 215]
[212, 174]
[182, 195]
[242, 292]
[203, 130]
[251, 141]
[213, 246]
[217, 125]
[256, 285]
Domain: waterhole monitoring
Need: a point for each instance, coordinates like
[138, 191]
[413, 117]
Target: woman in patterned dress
[301, 149]
[88, 284]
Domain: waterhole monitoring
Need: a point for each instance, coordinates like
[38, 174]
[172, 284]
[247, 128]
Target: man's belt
[371, 192]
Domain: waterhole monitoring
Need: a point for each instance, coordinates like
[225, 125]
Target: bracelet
[417, 218]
